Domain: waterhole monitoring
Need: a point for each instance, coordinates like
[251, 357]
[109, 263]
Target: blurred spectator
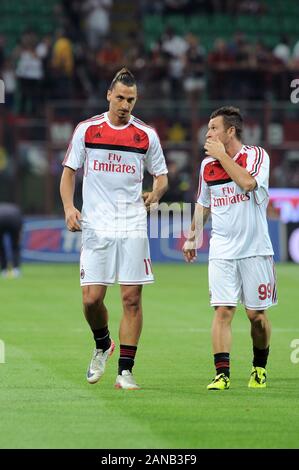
[194, 79]
[174, 47]
[286, 175]
[236, 43]
[177, 6]
[220, 61]
[9, 78]
[282, 50]
[109, 57]
[135, 55]
[178, 184]
[176, 133]
[271, 68]
[97, 21]
[29, 71]
[2, 51]
[62, 63]
[10, 227]
[175, 67]
[222, 6]
[280, 174]
[158, 62]
[151, 6]
[73, 11]
[251, 7]
[295, 57]
[188, 6]
[296, 50]
[44, 51]
[108, 60]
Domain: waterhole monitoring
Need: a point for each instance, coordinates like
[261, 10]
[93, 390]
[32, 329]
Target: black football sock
[221, 361]
[126, 358]
[102, 338]
[260, 357]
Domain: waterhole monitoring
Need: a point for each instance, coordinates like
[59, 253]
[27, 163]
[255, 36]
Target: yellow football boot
[221, 382]
[258, 378]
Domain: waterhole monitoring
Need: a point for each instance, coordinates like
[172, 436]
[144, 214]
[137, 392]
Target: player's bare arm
[216, 149]
[67, 188]
[160, 185]
[200, 217]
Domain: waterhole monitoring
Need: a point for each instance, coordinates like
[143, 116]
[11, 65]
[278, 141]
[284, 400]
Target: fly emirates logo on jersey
[114, 164]
[229, 197]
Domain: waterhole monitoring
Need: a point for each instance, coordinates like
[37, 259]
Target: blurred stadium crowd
[169, 53]
[180, 50]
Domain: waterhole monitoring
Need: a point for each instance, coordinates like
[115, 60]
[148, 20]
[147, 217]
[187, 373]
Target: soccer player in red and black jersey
[114, 148]
[233, 188]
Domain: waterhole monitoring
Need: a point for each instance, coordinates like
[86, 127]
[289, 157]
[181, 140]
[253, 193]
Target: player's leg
[97, 271]
[134, 271]
[15, 236]
[3, 257]
[260, 334]
[95, 311]
[131, 321]
[259, 293]
[221, 329]
[96, 315]
[221, 341]
[129, 333]
[224, 291]
[260, 329]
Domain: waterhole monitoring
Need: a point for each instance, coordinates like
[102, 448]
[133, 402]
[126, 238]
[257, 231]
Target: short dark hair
[123, 76]
[231, 118]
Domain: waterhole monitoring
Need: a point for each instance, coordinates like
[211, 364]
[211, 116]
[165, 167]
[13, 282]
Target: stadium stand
[16, 17]
[187, 61]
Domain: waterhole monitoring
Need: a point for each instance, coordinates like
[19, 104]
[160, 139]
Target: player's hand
[215, 148]
[150, 201]
[73, 219]
[189, 251]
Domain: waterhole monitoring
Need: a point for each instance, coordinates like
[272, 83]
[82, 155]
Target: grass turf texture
[46, 402]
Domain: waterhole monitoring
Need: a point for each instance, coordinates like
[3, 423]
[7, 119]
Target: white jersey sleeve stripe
[258, 165]
[255, 160]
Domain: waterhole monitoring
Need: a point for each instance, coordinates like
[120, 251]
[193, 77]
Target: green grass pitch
[46, 402]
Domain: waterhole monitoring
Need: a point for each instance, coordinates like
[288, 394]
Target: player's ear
[232, 131]
[109, 95]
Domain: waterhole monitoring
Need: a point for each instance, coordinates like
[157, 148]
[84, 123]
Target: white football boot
[126, 381]
[98, 363]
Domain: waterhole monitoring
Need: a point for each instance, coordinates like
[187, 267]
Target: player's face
[216, 129]
[122, 100]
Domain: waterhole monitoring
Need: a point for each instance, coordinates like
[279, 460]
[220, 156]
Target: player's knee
[258, 321]
[91, 300]
[225, 314]
[131, 303]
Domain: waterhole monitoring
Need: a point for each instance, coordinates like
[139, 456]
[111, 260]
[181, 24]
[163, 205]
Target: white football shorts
[107, 258]
[249, 280]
